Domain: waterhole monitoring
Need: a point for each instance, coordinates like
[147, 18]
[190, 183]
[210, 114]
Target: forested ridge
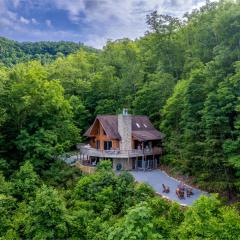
[184, 74]
[13, 52]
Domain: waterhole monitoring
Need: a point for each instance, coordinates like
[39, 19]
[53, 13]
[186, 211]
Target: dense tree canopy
[12, 52]
[184, 74]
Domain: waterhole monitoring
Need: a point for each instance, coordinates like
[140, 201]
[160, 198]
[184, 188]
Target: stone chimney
[125, 130]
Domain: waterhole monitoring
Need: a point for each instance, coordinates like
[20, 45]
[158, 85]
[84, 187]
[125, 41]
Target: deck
[89, 151]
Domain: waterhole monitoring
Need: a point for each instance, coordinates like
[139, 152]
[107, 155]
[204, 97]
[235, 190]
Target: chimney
[125, 130]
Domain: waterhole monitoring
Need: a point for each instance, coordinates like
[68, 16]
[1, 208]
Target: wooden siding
[100, 135]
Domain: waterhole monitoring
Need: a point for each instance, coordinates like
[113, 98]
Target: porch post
[154, 162]
[143, 165]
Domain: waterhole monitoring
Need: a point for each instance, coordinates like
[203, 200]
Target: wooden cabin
[130, 142]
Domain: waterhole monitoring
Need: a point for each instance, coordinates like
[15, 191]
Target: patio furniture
[181, 186]
[180, 193]
[189, 192]
[166, 189]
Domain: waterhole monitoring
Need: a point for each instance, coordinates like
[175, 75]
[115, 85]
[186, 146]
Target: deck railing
[89, 151]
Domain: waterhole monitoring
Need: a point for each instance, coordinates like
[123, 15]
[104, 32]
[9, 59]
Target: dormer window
[137, 124]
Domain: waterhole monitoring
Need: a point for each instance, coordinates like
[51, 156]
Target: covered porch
[145, 158]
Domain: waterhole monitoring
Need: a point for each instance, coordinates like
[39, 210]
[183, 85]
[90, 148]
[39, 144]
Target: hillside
[183, 73]
[12, 52]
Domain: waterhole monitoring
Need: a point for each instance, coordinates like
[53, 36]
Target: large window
[97, 144]
[107, 145]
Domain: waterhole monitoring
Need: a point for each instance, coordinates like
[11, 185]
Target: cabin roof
[142, 128]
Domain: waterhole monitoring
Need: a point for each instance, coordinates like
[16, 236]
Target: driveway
[156, 178]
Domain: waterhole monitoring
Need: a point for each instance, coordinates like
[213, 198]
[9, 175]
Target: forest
[12, 52]
[184, 73]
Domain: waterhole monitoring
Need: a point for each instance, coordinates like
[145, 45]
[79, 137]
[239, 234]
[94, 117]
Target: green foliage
[105, 165]
[6, 187]
[3, 165]
[200, 119]
[106, 206]
[46, 215]
[39, 120]
[151, 98]
[144, 191]
[12, 52]
[80, 113]
[25, 182]
[137, 224]
[61, 175]
[183, 74]
[7, 207]
[97, 190]
[207, 220]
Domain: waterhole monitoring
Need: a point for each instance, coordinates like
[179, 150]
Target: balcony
[93, 152]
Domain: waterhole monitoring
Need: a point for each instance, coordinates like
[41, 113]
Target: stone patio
[156, 178]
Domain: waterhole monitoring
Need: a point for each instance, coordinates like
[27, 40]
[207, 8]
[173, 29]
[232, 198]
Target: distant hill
[12, 52]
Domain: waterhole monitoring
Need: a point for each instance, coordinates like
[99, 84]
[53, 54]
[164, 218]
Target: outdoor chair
[180, 193]
[166, 189]
[189, 192]
[181, 186]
